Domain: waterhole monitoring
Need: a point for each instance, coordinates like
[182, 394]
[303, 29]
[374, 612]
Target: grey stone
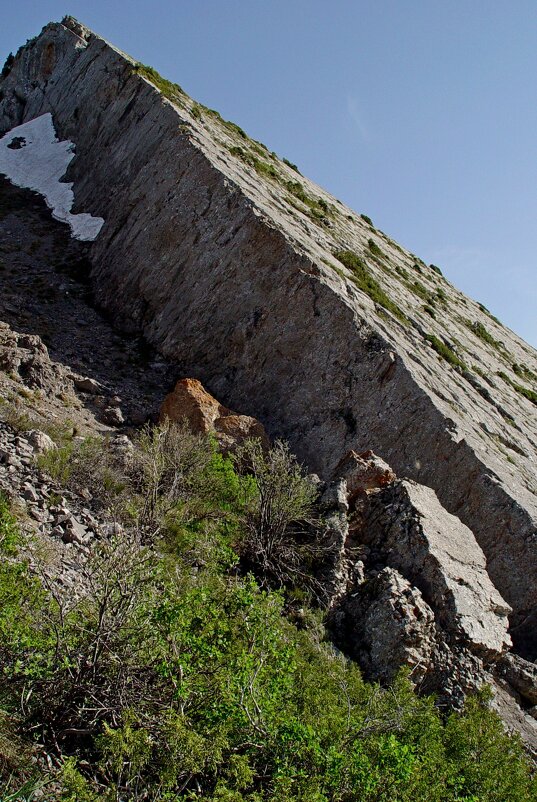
[40, 441]
[87, 385]
[391, 625]
[436, 552]
[112, 416]
[29, 493]
[75, 532]
[521, 675]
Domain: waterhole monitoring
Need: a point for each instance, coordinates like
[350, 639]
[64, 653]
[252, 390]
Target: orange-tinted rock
[189, 402]
[363, 473]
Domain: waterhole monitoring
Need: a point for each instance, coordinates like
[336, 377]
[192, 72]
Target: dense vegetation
[190, 666]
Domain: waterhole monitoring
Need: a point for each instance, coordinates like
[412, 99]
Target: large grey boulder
[436, 552]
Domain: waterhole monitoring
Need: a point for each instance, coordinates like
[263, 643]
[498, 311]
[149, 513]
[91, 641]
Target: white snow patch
[37, 160]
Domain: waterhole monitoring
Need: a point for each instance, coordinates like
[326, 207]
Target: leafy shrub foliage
[168, 88]
[365, 282]
[445, 352]
[173, 675]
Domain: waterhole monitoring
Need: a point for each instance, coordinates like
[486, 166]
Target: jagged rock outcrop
[521, 675]
[410, 586]
[191, 404]
[362, 474]
[408, 527]
[25, 356]
[390, 625]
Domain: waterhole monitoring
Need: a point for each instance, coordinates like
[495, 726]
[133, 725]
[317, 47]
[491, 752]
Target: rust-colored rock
[363, 473]
[190, 402]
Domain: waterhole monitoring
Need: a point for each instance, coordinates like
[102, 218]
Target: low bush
[445, 352]
[365, 282]
[173, 675]
[375, 249]
[531, 395]
[169, 89]
[480, 331]
[292, 166]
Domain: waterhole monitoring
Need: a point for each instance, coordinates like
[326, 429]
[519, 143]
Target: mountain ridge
[233, 273]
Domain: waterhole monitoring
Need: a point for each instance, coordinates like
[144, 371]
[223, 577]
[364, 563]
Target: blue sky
[420, 113]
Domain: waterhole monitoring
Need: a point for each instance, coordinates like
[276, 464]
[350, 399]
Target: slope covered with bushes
[190, 665]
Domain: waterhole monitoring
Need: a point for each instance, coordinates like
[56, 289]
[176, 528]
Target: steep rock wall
[205, 258]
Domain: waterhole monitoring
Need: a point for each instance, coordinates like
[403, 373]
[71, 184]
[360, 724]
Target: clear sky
[420, 113]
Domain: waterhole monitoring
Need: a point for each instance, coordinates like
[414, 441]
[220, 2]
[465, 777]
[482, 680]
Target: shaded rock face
[521, 675]
[392, 626]
[411, 588]
[237, 287]
[26, 357]
[190, 403]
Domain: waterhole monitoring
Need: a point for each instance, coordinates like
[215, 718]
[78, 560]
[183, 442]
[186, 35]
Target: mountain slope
[286, 303]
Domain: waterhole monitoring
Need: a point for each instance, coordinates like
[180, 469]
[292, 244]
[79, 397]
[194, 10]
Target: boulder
[87, 385]
[408, 528]
[112, 416]
[364, 473]
[191, 404]
[40, 441]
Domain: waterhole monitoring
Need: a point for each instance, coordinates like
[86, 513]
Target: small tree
[281, 537]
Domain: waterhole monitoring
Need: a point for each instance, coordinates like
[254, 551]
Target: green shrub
[480, 331]
[375, 250]
[531, 395]
[421, 291]
[171, 675]
[445, 352]
[170, 90]
[436, 269]
[367, 219]
[365, 282]
[292, 166]
[9, 532]
[523, 372]
[484, 309]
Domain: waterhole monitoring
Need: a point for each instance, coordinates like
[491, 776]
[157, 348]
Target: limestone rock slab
[436, 552]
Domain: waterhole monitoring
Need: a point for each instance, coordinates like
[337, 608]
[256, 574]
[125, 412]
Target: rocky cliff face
[293, 308]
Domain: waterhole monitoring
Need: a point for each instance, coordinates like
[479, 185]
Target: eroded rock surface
[391, 626]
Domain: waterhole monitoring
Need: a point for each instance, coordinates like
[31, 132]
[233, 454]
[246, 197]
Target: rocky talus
[220, 264]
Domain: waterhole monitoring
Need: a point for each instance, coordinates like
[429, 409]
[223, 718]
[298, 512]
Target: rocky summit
[184, 271]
